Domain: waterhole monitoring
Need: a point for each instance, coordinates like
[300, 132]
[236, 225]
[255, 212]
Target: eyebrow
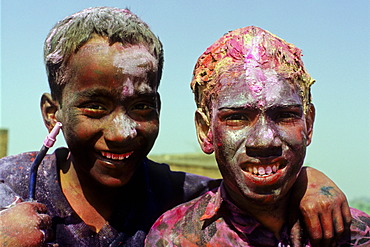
[274, 107]
[104, 93]
[287, 106]
[95, 93]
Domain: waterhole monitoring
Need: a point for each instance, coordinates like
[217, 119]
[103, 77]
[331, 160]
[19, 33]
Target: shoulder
[15, 164]
[360, 228]
[193, 185]
[179, 223]
[14, 174]
[188, 184]
[15, 170]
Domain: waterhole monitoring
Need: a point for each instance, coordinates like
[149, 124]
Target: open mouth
[263, 170]
[113, 156]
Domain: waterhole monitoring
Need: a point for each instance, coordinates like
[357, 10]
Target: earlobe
[49, 109]
[158, 103]
[310, 119]
[204, 133]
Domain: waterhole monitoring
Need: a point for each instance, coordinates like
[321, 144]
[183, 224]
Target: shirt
[213, 220]
[153, 189]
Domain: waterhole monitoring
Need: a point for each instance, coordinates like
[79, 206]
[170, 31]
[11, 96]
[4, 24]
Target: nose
[263, 141]
[120, 129]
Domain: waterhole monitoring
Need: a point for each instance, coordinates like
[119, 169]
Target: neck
[273, 217]
[91, 203]
[271, 213]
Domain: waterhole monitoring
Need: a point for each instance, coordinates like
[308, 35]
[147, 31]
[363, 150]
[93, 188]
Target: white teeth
[268, 170]
[255, 171]
[274, 168]
[263, 171]
[116, 156]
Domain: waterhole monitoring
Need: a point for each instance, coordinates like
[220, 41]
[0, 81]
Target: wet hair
[243, 49]
[71, 33]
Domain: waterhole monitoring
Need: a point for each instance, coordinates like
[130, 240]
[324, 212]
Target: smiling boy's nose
[263, 142]
[120, 129]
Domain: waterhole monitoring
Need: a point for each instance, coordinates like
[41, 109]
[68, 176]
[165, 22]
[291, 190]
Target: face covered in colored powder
[110, 109]
[259, 133]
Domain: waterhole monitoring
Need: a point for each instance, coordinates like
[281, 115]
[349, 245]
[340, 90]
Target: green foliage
[362, 204]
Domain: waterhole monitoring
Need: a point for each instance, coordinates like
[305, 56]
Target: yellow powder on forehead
[251, 47]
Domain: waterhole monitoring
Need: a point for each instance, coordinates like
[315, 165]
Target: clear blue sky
[334, 37]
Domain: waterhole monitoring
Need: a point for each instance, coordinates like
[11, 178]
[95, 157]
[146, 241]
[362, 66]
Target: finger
[314, 229]
[338, 223]
[296, 234]
[43, 236]
[45, 221]
[326, 220]
[39, 207]
[346, 212]
[49, 235]
[45, 227]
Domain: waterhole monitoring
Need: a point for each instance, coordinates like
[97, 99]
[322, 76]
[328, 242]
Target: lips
[263, 170]
[115, 156]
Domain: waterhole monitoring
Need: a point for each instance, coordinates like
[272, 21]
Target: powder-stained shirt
[213, 220]
[153, 190]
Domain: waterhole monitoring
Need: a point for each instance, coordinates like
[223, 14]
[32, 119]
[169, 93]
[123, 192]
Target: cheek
[227, 142]
[220, 140]
[77, 128]
[293, 136]
[235, 137]
[149, 128]
[78, 133]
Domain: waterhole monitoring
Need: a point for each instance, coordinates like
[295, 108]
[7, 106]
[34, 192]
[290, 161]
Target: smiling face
[109, 110]
[259, 133]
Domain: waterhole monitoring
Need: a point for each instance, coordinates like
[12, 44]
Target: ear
[159, 103]
[49, 108]
[204, 133]
[310, 119]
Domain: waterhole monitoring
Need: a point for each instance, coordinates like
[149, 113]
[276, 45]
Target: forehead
[121, 68]
[254, 87]
[99, 57]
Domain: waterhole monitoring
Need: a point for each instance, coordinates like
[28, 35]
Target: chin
[112, 182]
[263, 198]
[265, 195]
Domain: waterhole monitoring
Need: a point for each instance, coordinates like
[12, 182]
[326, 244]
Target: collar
[220, 202]
[220, 205]
[213, 205]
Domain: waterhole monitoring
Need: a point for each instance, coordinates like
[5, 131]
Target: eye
[96, 107]
[143, 110]
[94, 110]
[143, 106]
[288, 116]
[235, 119]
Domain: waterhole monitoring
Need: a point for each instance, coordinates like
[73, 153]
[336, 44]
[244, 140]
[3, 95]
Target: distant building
[3, 142]
[197, 163]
